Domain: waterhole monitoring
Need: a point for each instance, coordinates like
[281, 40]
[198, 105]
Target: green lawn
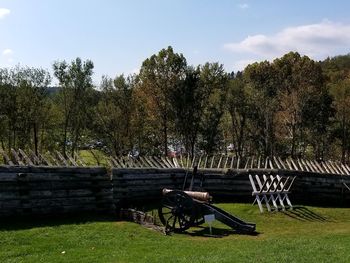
[307, 234]
[94, 157]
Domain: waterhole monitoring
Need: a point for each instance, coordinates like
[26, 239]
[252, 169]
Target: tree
[187, 102]
[159, 75]
[316, 117]
[297, 78]
[114, 113]
[238, 107]
[341, 95]
[214, 83]
[302, 98]
[145, 139]
[75, 87]
[32, 98]
[8, 109]
[261, 89]
[24, 104]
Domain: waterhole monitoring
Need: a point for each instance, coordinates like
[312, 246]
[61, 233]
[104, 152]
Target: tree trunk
[266, 141]
[192, 147]
[42, 137]
[35, 139]
[165, 134]
[9, 140]
[65, 138]
[75, 142]
[14, 139]
[293, 141]
[2, 144]
[343, 140]
[241, 136]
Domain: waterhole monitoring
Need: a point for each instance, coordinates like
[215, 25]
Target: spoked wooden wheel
[198, 221]
[177, 211]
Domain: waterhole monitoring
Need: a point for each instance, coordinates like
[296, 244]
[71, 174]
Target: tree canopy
[291, 107]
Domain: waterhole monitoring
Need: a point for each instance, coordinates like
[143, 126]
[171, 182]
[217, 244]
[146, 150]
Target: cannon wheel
[177, 211]
[199, 220]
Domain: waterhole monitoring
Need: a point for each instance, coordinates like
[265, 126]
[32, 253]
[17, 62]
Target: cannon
[180, 210]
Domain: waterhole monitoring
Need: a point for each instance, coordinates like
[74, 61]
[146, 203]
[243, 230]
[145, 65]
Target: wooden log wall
[232, 184]
[321, 189]
[26, 190]
[138, 184]
[135, 184]
[35, 190]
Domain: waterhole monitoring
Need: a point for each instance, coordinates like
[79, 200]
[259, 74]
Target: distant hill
[341, 62]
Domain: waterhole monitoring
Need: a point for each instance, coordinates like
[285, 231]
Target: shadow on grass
[304, 214]
[11, 224]
[202, 231]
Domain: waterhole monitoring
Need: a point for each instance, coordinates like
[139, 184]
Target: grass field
[307, 234]
[94, 157]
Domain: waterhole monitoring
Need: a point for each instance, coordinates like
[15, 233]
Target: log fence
[52, 184]
[135, 184]
[54, 190]
[330, 167]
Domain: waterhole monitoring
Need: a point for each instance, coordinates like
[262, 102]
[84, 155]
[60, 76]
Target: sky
[119, 35]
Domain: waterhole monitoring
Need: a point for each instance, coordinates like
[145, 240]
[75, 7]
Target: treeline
[291, 107]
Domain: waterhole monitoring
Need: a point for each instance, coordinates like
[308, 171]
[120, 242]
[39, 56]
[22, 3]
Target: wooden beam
[27, 160]
[16, 157]
[6, 158]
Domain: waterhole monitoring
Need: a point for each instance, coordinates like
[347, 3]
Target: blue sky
[118, 35]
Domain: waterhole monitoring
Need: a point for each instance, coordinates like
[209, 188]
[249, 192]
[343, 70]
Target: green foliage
[214, 82]
[261, 81]
[113, 114]
[337, 67]
[292, 107]
[306, 106]
[340, 91]
[288, 108]
[75, 91]
[239, 108]
[23, 107]
[187, 100]
[159, 76]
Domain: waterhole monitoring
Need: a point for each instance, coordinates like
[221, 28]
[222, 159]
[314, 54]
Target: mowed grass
[94, 157]
[307, 234]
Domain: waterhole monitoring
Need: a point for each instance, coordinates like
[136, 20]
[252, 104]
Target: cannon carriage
[180, 210]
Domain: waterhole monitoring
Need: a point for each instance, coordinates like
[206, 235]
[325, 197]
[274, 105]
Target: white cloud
[4, 12]
[243, 6]
[7, 52]
[241, 64]
[316, 40]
